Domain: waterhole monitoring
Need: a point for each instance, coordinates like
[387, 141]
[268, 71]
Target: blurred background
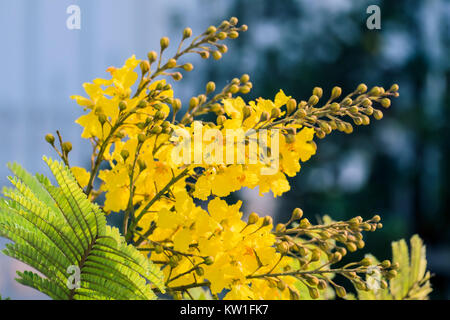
[397, 167]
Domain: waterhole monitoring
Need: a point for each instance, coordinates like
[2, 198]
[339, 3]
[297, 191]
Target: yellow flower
[81, 175]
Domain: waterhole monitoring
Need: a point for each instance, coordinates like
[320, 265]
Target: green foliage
[1, 298]
[57, 230]
[412, 280]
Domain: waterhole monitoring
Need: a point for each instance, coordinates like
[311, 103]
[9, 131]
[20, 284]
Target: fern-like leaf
[412, 280]
[61, 234]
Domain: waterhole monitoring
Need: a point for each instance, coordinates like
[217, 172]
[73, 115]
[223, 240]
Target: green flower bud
[247, 111]
[171, 63]
[210, 87]
[394, 88]
[317, 91]
[188, 67]
[365, 262]
[156, 129]
[125, 154]
[200, 271]
[267, 221]
[204, 54]
[145, 66]
[221, 35]
[335, 106]
[322, 284]
[193, 102]
[187, 32]
[386, 264]
[152, 56]
[209, 260]
[50, 138]
[234, 21]
[291, 105]
[122, 105]
[221, 120]
[164, 42]
[313, 292]
[142, 165]
[385, 102]
[211, 30]
[252, 218]
[102, 119]
[300, 114]
[336, 92]
[313, 100]
[245, 78]
[233, 34]
[351, 247]
[142, 137]
[340, 292]
[377, 114]
[264, 116]
[315, 256]
[375, 91]
[67, 147]
[275, 113]
[361, 88]
[217, 55]
[281, 285]
[176, 105]
[177, 76]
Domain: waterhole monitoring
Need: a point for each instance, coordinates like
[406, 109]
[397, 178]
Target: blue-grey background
[398, 168]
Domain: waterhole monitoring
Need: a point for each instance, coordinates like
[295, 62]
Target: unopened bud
[375, 91]
[291, 105]
[67, 147]
[221, 120]
[264, 116]
[385, 102]
[394, 88]
[125, 154]
[313, 100]
[252, 218]
[209, 260]
[210, 87]
[177, 76]
[164, 42]
[145, 66]
[313, 292]
[200, 271]
[267, 221]
[234, 21]
[245, 78]
[340, 292]
[152, 56]
[275, 113]
[187, 32]
[50, 138]
[317, 91]
[377, 114]
[247, 111]
[336, 92]
[122, 105]
[188, 67]
[193, 102]
[172, 63]
[233, 34]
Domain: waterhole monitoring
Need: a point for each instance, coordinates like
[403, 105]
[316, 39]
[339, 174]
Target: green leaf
[57, 231]
[412, 280]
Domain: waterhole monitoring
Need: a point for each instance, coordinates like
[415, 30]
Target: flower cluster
[132, 122]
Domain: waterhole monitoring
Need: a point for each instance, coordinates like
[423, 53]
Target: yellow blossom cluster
[132, 124]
